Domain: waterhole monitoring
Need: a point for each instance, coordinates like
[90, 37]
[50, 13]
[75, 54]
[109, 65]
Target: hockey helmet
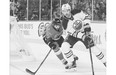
[66, 9]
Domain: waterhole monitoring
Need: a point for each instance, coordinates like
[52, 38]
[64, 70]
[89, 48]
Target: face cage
[65, 12]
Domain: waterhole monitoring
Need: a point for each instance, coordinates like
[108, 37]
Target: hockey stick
[91, 61]
[33, 73]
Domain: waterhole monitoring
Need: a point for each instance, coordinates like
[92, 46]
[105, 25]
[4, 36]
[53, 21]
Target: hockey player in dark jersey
[52, 36]
[77, 26]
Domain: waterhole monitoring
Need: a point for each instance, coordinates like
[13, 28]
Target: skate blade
[71, 70]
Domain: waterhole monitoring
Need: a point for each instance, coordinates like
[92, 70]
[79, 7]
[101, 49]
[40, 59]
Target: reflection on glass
[45, 9]
[33, 9]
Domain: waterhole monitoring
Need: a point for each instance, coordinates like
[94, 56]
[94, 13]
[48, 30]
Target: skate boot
[73, 65]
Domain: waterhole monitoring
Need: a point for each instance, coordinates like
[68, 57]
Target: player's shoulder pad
[75, 11]
[87, 16]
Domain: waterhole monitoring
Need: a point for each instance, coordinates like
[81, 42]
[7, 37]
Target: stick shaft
[91, 62]
[43, 61]
[33, 73]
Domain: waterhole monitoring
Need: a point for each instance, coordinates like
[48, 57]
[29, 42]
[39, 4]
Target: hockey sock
[101, 57]
[99, 54]
[69, 56]
[60, 56]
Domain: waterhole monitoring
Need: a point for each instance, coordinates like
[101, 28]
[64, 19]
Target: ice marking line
[18, 69]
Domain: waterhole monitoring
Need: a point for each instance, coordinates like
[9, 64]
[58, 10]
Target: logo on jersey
[77, 25]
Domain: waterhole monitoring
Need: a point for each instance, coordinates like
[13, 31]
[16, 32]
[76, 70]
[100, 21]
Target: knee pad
[65, 47]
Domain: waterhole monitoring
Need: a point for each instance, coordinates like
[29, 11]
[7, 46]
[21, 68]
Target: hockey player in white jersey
[77, 26]
[52, 36]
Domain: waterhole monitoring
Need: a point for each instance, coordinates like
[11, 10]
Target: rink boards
[30, 31]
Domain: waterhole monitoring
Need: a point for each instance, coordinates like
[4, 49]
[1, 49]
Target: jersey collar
[72, 18]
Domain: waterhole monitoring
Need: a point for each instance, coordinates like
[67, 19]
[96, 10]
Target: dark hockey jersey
[54, 31]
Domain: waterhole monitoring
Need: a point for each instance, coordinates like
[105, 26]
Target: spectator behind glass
[35, 15]
[99, 11]
[46, 10]
[21, 10]
[57, 12]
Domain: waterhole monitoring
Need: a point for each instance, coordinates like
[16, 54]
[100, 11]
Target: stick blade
[30, 72]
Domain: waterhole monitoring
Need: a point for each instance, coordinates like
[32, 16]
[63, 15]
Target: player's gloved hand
[53, 45]
[88, 40]
[87, 28]
[86, 36]
[50, 42]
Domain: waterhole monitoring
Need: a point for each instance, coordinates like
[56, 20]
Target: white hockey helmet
[66, 9]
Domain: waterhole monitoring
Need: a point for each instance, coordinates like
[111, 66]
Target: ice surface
[52, 66]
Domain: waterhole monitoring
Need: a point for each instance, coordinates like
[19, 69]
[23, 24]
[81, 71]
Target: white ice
[52, 66]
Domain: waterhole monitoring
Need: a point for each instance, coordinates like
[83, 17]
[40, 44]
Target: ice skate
[73, 65]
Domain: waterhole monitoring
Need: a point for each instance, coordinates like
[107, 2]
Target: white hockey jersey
[73, 24]
[74, 27]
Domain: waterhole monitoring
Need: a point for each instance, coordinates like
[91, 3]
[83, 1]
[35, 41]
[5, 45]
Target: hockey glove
[88, 40]
[54, 45]
[87, 28]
